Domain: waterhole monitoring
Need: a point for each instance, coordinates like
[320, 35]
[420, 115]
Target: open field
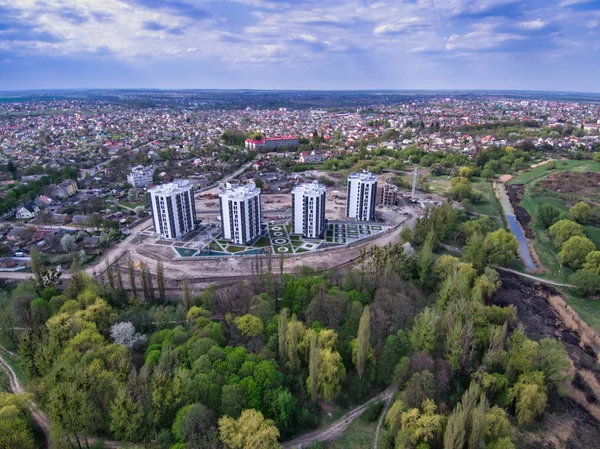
[440, 185]
[489, 203]
[358, 435]
[542, 171]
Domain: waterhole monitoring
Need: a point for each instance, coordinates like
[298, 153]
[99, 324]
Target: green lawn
[359, 435]
[489, 204]
[588, 310]
[439, 185]
[263, 242]
[134, 205]
[542, 171]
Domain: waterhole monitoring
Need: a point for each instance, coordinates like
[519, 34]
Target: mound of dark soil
[515, 195]
[565, 424]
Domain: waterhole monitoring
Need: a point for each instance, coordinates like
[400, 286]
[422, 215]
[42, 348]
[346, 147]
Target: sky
[300, 44]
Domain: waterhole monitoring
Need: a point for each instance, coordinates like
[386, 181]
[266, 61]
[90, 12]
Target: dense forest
[251, 365]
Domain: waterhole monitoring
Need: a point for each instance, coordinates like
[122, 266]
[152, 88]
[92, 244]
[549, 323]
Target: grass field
[489, 204]
[542, 171]
[440, 185]
[358, 435]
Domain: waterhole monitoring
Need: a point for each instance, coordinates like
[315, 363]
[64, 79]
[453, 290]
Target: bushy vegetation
[240, 369]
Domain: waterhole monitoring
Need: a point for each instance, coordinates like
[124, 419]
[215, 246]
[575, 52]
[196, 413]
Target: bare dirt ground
[568, 421]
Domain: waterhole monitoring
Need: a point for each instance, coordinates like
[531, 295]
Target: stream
[516, 229]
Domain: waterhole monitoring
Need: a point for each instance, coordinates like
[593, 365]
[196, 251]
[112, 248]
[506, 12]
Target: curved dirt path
[336, 429]
[40, 417]
[388, 402]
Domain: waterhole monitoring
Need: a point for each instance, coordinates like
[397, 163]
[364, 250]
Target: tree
[124, 334]
[465, 172]
[147, 286]
[186, 294]
[282, 334]
[529, 396]
[425, 258]
[36, 265]
[94, 221]
[313, 369]
[420, 426]
[292, 347]
[497, 427]
[160, 280]
[194, 425]
[553, 360]
[363, 342]
[233, 400]
[14, 428]
[587, 282]
[67, 242]
[580, 212]
[249, 325]
[421, 386]
[250, 431]
[547, 215]
[500, 247]
[563, 230]
[473, 251]
[423, 335]
[592, 262]
[109, 275]
[131, 271]
[575, 250]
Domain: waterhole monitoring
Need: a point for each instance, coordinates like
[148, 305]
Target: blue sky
[301, 44]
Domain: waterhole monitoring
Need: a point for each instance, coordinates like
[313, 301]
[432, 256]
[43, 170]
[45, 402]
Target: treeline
[252, 364]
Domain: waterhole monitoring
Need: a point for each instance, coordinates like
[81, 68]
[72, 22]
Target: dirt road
[336, 429]
[40, 418]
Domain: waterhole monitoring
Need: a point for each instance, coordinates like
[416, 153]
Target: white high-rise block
[362, 193]
[240, 213]
[308, 210]
[173, 209]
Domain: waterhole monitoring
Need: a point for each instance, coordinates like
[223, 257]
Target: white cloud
[392, 28]
[533, 24]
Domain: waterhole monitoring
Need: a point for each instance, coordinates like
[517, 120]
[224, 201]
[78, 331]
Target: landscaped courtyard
[207, 240]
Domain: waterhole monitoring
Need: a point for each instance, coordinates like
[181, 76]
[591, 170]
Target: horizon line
[157, 89]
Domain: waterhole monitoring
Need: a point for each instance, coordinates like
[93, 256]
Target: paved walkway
[536, 278]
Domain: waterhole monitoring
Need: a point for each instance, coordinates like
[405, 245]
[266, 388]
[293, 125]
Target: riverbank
[527, 254]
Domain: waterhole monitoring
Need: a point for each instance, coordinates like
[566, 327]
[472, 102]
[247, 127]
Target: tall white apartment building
[173, 209]
[362, 196]
[240, 213]
[140, 177]
[308, 210]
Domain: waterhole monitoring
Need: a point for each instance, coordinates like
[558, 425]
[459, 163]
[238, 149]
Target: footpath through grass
[13, 361]
[359, 435]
